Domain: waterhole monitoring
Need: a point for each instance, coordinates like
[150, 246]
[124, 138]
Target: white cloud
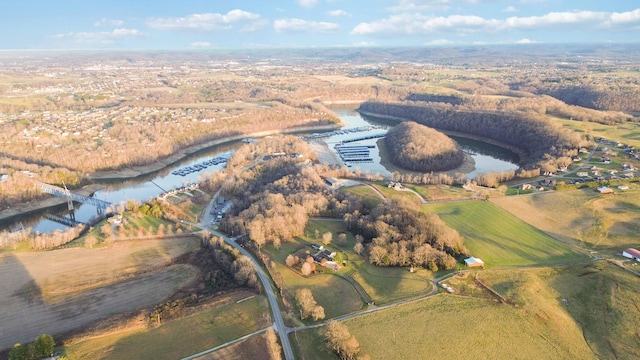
[411, 24]
[254, 25]
[555, 18]
[524, 41]
[510, 9]
[202, 22]
[624, 18]
[105, 21]
[101, 37]
[364, 44]
[200, 44]
[416, 23]
[440, 42]
[430, 5]
[307, 3]
[300, 25]
[339, 12]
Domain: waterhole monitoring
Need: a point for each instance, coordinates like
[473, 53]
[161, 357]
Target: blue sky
[215, 24]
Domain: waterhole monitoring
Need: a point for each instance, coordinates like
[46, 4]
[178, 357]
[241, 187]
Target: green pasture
[604, 299]
[382, 284]
[499, 238]
[607, 223]
[370, 198]
[310, 345]
[456, 327]
[627, 133]
[388, 284]
[176, 339]
[335, 294]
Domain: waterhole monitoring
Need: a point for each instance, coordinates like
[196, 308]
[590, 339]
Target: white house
[632, 253]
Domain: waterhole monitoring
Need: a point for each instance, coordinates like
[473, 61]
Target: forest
[274, 200]
[420, 148]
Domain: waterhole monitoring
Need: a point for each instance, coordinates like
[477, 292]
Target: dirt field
[58, 291]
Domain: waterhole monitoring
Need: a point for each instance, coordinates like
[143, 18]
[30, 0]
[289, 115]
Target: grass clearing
[178, 338]
[335, 294]
[370, 198]
[310, 345]
[599, 222]
[388, 284]
[501, 239]
[457, 327]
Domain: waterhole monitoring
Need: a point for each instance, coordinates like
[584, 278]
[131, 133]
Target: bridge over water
[101, 205]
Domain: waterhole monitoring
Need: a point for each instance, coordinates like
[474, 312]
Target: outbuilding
[632, 253]
[474, 262]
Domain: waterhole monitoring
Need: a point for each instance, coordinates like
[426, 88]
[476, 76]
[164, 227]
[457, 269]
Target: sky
[238, 24]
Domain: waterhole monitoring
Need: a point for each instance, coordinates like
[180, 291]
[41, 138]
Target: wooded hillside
[536, 138]
[421, 148]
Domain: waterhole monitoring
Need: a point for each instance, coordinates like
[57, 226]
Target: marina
[184, 171]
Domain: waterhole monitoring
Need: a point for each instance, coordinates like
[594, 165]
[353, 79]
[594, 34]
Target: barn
[631, 253]
[474, 262]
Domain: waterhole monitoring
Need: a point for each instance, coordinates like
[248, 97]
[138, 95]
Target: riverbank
[39, 205]
[467, 166]
[136, 171]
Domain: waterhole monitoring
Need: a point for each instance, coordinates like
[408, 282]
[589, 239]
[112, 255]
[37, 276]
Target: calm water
[487, 157]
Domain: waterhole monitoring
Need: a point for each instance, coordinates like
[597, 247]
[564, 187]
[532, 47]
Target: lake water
[487, 158]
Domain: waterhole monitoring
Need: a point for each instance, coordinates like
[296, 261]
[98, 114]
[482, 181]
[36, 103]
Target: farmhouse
[474, 262]
[605, 190]
[631, 253]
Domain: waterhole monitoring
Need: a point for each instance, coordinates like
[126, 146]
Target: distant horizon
[244, 24]
[337, 47]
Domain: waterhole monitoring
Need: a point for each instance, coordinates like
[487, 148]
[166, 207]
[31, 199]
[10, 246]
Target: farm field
[183, 337]
[369, 197]
[61, 290]
[499, 238]
[627, 133]
[599, 297]
[598, 222]
[456, 327]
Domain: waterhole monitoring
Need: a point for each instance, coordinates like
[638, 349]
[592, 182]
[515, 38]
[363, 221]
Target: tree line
[395, 234]
[420, 148]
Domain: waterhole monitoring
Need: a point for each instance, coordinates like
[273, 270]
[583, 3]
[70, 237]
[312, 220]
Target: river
[487, 158]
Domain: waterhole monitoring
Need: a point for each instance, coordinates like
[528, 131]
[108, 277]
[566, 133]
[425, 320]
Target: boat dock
[198, 167]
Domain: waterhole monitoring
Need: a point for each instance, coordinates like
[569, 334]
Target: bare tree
[275, 350]
[327, 237]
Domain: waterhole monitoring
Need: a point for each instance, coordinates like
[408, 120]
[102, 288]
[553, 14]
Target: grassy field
[599, 297]
[62, 290]
[310, 345]
[501, 239]
[599, 222]
[336, 295]
[370, 198]
[628, 133]
[382, 284]
[178, 338]
[456, 327]
[388, 284]
[582, 311]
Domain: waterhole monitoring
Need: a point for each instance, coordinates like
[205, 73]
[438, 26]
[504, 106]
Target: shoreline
[136, 171]
[519, 152]
[468, 165]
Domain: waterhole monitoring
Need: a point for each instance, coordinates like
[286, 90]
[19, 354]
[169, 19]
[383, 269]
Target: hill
[420, 148]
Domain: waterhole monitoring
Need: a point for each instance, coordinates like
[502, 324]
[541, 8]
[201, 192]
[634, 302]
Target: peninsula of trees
[538, 140]
[420, 148]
